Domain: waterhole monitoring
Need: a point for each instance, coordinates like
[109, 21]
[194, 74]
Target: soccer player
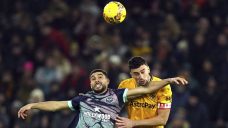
[99, 107]
[151, 110]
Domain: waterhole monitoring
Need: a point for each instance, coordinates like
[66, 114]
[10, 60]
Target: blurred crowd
[48, 47]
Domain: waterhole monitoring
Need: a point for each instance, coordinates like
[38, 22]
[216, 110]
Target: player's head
[139, 70]
[99, 80]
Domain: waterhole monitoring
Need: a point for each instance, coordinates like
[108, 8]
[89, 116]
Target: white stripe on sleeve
[70, 105]
[125, 95]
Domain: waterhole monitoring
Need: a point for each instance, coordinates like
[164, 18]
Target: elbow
[163, 122]
[54, 109]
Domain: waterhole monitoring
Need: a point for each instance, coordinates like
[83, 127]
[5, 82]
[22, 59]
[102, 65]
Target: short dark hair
[136, 62]
[98, 70]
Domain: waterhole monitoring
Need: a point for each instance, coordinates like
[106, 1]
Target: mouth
[142, 82]
[98, 86]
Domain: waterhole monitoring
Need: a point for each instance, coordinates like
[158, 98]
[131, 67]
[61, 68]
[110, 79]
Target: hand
[178, 81]
[122, 122]
[22, 113]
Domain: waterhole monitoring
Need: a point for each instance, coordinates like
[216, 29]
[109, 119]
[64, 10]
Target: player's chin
[142, 83]
[99, 89]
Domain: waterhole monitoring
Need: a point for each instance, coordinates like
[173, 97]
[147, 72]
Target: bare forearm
[160, 119]
[150, 122]
[50, 105]
[152, 87]
[156, 85]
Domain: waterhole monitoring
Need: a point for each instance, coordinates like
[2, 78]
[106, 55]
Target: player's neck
[100, 93]
[148, 80]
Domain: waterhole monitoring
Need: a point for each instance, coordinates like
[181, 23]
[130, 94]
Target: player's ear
[108, 80]
[131, 73]
[148, 69]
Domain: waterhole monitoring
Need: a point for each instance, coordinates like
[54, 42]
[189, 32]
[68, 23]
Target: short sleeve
[122, 85]
[73, 104]
[122, 95]
[164, 97]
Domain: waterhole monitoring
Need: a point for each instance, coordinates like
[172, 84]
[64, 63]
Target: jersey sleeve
[122, 85]
[164, 97]
[122, 95]
[73, 104]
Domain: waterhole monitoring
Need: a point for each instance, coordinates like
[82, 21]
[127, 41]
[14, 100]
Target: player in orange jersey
[148, 111]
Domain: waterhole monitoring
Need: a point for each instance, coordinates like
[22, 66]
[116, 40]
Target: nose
[97, 81]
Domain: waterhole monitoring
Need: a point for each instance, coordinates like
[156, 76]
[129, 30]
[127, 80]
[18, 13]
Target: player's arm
[46, 106]
[160, 119]
[154, 86]
[164, 105]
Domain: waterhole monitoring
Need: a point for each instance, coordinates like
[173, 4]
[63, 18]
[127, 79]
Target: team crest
[153, 95]
[168, 98]
[109, 99]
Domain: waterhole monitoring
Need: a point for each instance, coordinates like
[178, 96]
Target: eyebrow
[100, 74]
[140, 71]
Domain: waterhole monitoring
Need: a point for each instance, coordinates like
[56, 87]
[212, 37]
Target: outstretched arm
[163, 104]
[154, 86]
[46, 106]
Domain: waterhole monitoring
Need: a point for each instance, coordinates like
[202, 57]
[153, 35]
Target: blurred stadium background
[48, 47]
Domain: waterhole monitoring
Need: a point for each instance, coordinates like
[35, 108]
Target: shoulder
[127, 83]
[165, 89]
[115, 91]
[82, 96]
[154, 78]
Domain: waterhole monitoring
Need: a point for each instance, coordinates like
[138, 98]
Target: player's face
[99, 82]
[141, 74]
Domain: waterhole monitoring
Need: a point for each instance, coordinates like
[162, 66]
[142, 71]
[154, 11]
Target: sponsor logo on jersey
[143, 105]
[98, 115]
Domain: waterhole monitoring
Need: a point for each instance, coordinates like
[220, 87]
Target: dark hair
[136, 62]
[98, 70]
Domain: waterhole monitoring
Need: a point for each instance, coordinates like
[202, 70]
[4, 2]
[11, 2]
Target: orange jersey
[146, 106]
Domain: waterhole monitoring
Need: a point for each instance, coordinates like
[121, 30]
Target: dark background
[48, 47]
